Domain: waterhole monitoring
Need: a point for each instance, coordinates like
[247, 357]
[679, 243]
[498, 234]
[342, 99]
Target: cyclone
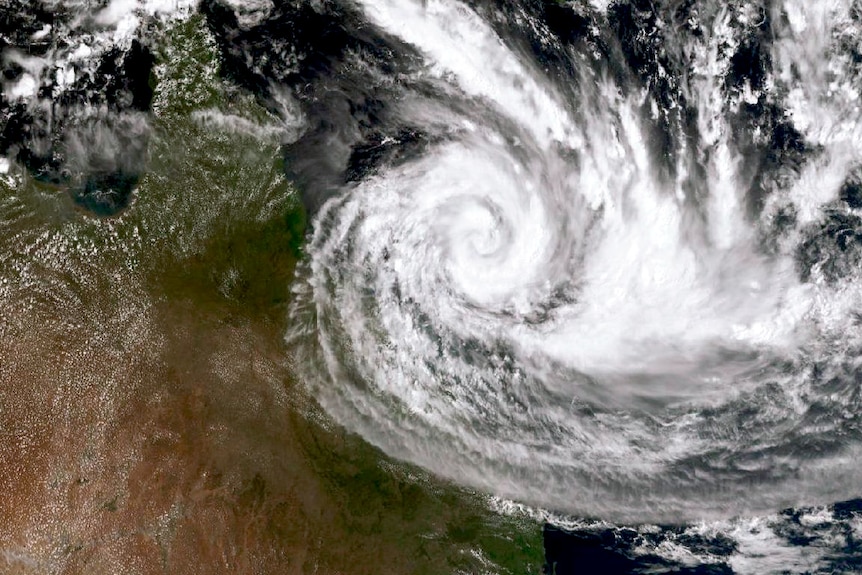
[571, 286]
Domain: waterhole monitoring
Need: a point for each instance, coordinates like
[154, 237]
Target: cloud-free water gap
[629, 223]
[596, 257]
[683, 305]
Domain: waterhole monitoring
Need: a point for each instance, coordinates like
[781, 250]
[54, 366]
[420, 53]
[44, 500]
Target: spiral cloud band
[540, 298]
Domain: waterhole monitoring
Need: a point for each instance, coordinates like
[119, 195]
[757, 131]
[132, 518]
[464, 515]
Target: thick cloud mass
[606, 268]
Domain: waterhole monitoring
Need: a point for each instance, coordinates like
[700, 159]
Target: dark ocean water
[479, 174]
[796, 544]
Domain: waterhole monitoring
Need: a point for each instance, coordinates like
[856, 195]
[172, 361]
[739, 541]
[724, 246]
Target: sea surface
[431, 286]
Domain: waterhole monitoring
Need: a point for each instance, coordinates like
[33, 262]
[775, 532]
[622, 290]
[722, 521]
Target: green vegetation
[227, 225]
[391, 509]
[216, 231]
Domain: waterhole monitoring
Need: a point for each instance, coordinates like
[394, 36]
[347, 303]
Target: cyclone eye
[596, 288]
